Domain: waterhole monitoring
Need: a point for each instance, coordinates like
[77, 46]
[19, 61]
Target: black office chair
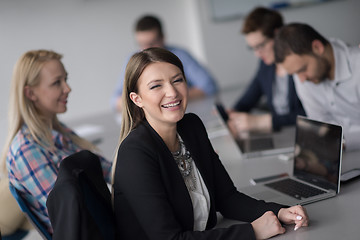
[18, 235]
[79, 205]
[35, 221]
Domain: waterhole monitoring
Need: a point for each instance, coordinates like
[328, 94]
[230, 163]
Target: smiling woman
[162, 94]
[50, 95]
[37, 141]
[168, 182]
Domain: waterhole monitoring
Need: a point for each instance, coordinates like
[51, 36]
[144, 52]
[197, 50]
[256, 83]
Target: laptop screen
[318, 149]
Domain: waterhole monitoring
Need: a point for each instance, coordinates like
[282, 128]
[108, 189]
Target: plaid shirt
[33, 169]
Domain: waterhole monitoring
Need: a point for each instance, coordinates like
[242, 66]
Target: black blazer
[79, 205]
[262, 85]
[151, 200]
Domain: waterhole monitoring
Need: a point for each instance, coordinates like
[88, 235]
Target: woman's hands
[269, 225]
[295, 214]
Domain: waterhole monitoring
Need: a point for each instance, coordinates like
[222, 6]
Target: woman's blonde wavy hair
[23, 111]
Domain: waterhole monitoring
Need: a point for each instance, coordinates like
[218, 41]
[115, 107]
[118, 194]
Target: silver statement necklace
[184, 161]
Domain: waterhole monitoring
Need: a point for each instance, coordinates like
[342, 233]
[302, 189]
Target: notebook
[316, 170]
[260, 144]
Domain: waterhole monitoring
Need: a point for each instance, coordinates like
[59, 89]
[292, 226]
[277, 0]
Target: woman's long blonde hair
[23, 111]
[132, 115]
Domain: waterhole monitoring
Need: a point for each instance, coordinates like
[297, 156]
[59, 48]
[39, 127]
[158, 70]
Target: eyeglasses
[259, 46]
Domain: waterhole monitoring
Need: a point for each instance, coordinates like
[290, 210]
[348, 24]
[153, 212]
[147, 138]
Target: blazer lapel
[270, 82]
[190, 142]
[178, 194]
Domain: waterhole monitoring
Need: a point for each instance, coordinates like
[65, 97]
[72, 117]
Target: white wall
[96, 35]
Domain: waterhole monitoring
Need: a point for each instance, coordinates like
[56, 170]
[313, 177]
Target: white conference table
[335, 218]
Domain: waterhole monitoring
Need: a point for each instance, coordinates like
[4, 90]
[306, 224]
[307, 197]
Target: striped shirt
[33, 168]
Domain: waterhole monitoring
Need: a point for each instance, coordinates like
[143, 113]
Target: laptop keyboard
[294, 188]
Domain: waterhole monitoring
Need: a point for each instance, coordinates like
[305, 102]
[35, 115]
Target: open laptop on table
[260, 144]
[317, 167]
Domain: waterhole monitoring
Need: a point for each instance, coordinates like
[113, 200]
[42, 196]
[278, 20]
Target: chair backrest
[100, 208]
[35, 221]
[80, 201]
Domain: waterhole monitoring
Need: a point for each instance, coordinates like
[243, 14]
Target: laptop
[261, 144]
[316, 170]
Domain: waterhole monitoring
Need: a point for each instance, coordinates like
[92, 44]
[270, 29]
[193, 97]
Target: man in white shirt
[326, 75]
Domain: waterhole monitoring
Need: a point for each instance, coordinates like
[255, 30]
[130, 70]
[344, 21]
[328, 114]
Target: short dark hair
[295, 38]
[149, 22]
[263, 19]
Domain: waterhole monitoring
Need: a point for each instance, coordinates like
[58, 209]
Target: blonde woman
[37, 141]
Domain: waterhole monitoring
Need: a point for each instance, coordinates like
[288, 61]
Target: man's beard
[323, 72]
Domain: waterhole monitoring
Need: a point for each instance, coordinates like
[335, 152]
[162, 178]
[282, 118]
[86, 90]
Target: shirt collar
[341, 56]
[57, 138]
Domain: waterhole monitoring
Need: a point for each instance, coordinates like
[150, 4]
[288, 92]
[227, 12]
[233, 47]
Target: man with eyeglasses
[326, 75]
[270, 81]
[149, 33]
